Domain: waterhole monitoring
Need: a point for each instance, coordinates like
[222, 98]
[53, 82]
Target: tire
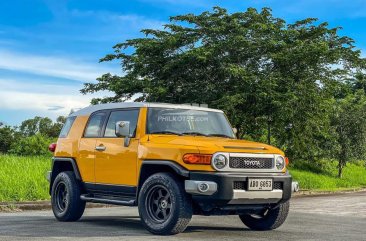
[269, 220]
[164, 206]
[65, 198]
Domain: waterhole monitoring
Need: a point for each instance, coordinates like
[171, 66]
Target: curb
[37, 206]
[310, 193]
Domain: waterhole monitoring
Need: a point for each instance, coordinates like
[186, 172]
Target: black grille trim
[251, 163]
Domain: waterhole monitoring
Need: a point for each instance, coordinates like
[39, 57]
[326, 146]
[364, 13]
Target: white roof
[120, 105]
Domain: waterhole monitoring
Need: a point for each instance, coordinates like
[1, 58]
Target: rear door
[86, 158]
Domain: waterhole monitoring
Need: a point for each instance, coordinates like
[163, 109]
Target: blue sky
[49, 48]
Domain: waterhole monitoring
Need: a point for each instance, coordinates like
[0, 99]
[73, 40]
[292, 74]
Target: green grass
[23, 178]
[354, 176]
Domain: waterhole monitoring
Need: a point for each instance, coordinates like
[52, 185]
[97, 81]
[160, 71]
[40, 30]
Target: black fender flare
[175, 167]
[178, 169]
[56, 161]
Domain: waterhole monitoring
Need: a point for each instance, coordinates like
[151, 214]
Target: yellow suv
[172, 161]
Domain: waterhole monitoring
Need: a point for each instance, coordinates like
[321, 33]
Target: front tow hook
[295, 187]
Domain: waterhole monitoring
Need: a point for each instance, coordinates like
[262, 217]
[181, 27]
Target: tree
[348, 121]
[269, 76]
[44, 126]
[349, 124]
[7, 136]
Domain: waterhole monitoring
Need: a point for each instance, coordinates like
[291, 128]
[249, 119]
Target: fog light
[203, 187]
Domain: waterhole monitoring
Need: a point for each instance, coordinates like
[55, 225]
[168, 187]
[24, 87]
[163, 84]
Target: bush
[36, 145]
[6, 138]
[323, 166]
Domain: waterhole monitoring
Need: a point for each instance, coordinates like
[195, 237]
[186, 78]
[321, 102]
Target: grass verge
[354, 176]
[23, 178]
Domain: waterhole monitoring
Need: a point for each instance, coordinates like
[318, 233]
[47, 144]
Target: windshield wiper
[194, 133]
[220, 135]
[166, 132]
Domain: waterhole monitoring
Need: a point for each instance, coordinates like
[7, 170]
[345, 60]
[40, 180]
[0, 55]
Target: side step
[127, 202]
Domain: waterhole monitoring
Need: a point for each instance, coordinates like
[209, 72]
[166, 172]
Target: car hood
[215, 144]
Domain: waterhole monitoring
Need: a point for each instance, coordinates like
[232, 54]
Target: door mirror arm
[127, 141]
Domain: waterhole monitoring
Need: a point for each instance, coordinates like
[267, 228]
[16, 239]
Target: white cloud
[49, 100]
[60, 67]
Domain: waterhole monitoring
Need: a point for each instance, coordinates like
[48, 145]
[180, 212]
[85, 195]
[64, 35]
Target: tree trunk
[269, 133]
[341, 165]
[340, 171]
[342, 161]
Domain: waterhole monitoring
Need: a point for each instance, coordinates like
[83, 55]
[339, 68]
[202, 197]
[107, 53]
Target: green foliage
[6, 138]
[42, 125]
[36, 145]
[23, 178]
[348, 122]
[32, 137]
[277, 81]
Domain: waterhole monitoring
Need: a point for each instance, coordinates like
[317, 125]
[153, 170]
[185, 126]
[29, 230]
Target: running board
[87, 198]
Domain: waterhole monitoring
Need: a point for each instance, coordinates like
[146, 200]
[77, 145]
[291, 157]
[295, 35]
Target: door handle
[100, 148]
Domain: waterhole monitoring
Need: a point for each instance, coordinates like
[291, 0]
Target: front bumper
[231, 189]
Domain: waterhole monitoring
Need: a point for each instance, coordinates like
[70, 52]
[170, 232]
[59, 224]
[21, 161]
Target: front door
[116, 164]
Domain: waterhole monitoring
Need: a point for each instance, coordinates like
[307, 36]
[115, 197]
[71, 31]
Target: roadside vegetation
[325, 177]
[22, 178]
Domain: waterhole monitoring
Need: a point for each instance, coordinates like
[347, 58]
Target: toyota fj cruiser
[172, 161]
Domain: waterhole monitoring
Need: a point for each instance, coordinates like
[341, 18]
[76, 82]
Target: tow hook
[295, 186]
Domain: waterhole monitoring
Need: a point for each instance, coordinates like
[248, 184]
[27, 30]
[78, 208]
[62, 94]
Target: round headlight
[219, 161]
[280, 162]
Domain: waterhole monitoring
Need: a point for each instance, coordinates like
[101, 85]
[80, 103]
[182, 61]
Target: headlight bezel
[223, 158]
[280, 162]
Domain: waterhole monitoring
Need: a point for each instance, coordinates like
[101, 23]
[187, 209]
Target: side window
[95, 125]
[123, 115]
[67, 126]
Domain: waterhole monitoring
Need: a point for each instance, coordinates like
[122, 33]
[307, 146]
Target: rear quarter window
[67, 126]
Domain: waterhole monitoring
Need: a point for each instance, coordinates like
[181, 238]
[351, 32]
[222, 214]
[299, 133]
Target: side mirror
[235, 130]
[123, 130]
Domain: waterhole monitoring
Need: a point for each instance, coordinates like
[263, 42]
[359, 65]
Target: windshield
[188, 122]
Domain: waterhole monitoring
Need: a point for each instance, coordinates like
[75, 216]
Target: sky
[50, 48]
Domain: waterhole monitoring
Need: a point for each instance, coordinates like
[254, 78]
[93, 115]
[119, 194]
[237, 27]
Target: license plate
[260, 184]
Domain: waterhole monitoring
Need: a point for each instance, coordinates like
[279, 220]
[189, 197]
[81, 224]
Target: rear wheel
[65, 198]
[268, 219]
[164, 206]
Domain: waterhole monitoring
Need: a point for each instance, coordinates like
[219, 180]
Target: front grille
[251, 163]
[240, 185]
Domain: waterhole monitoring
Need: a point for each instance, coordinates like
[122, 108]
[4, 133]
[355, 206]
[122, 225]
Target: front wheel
[267, 219]
[164, 206]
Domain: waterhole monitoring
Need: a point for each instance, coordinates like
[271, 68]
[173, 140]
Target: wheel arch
[61, 164]
[150, 167]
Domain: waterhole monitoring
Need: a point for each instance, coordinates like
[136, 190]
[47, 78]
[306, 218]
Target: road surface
[335, 217]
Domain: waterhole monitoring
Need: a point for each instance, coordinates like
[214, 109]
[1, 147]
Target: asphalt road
[336, 217]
